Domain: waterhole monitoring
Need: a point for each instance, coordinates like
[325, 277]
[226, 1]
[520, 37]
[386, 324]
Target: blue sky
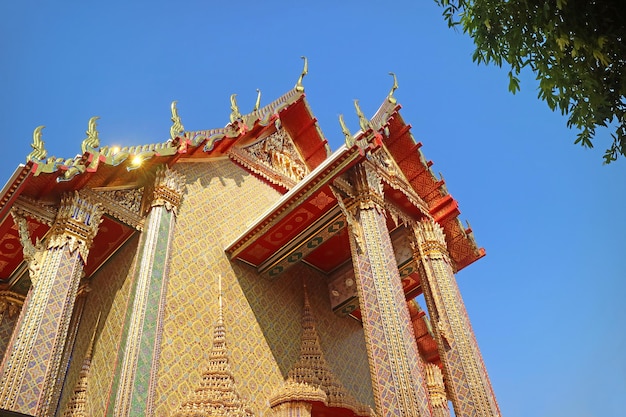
[546, 302]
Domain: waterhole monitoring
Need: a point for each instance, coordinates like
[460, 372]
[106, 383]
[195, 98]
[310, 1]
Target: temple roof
[305, 224]
[119, 174]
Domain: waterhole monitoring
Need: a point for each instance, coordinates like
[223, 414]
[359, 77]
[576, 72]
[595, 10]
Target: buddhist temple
[246, 270]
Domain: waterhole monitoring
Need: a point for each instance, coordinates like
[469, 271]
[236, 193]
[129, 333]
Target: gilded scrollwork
[349, 212]
[124, 205]
[349, 139]
[390, 96]
[177, 129]
[92, 141]
[39, 152]
[278, 152]
[364, 123]
[299, 86]
[33, 253]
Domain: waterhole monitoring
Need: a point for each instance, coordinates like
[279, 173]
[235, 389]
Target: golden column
[33, 360]
[395, 365]
[135, 381]
[466, 378]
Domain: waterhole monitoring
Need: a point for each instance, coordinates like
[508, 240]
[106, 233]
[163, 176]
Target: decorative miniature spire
[299, 86]
[39, 152]
[390, 96]
[346, 132]
[234, 113]
[312, 368]
[216, 394]
[364, 123]
[92, 141]
[76, 407]
[177, 128]
[257, 105]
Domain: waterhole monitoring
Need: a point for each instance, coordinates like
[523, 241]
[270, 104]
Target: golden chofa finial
[390, 97]
[346, 132]
[177, 128]
[92, 141]
[257, 105]
[364, 123]
[39, 152]
[234, 109]
[299, 86]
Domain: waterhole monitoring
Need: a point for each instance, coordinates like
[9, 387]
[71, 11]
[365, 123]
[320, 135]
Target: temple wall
[109, 297]
[7, 324]
[262, 318]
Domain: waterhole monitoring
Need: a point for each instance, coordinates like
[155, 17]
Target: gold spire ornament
[234, 109]
[77, 405]
[257, 105]
[92, 141]
[390, 96]
[312, 370]
[39, 152]
[346, 132]
[177, 128]
[299, 86]
[216, 393]
[364, 123]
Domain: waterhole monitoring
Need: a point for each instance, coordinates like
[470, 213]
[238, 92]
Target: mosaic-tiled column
[466, 378]
[136, 379]
[395, 365]
[34, 356]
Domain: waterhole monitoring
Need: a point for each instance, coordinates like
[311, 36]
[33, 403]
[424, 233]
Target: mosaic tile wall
[262, 318]
[7, 324]
[109, 296]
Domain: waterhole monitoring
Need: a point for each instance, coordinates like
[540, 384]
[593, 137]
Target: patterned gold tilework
[33, 359]
[395, 364]
[262, 317]
[109, 295]
[7, 324]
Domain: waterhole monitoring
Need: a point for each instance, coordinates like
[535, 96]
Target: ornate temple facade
[238, 271]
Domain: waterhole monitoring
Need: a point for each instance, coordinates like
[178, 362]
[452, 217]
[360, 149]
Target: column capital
[368, 188]
[169, 187]
[76, 224]
[430, 239]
